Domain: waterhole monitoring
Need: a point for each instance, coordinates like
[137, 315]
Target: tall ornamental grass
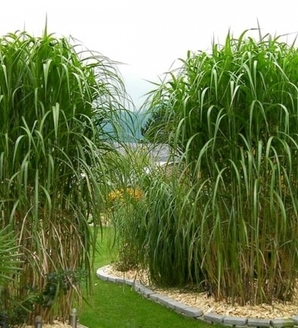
[54, 97]
[233, 116]
[145, 207]
[124, 202]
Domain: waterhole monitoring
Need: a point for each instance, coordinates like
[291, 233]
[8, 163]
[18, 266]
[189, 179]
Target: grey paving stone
[190, 311]
[276, 323]
[295, 319]
[235, 321]
[100, 274]
[202, 319]
[163, 299]
[213, 317]
[129, 282]
[154, 296]
[102, 277]
[112, 279]
[101, 270]
[175, 304]
[120, 280]
[145, 291]
[255, 322]
[137, 286]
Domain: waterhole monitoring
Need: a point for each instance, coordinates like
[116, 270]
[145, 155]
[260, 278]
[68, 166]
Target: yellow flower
[119, 194]
[134, 193]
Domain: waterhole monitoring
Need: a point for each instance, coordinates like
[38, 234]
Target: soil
[278, 310]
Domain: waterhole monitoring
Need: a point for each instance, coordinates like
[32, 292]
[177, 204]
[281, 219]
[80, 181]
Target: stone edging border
[196, 313]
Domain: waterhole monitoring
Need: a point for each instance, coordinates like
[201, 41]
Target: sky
[148, 36]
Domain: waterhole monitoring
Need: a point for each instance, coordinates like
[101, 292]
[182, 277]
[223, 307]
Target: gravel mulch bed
[277, 310]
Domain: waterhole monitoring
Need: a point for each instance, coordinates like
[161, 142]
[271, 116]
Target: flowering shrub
[121, 194]
[123, 197]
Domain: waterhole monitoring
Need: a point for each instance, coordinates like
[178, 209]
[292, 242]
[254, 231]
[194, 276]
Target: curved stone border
[196, 313]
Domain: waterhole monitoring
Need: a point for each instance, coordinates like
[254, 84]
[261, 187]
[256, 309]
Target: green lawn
[117, 305]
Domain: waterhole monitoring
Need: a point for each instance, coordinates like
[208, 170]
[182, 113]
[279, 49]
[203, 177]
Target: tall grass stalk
[53, 101]
[230, 220]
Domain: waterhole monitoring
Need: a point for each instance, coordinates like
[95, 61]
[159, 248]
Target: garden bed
[207, 304]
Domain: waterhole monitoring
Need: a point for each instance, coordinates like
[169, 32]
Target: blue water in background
[126, 125]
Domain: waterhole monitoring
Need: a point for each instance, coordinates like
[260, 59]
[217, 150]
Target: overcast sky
[147, 35]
